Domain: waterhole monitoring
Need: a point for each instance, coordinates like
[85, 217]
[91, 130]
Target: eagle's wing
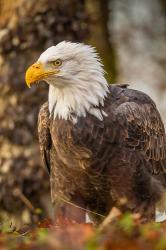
[132, 121]
[44, 135]
[142, 129]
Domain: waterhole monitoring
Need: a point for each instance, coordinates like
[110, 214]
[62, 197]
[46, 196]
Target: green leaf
[126, 223]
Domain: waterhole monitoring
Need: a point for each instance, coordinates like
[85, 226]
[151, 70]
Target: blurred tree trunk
[138, 29]
[99, 35]
[26, 29]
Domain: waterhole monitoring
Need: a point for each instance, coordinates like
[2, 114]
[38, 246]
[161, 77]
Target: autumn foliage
[117, 232]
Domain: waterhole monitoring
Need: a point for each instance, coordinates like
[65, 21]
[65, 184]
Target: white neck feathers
[75, 101]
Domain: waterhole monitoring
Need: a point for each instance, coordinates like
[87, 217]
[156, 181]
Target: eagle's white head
[76, 80]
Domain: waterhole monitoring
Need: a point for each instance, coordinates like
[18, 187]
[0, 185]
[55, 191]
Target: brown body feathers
[94, 163]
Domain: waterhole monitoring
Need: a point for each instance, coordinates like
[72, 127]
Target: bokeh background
[130, 36]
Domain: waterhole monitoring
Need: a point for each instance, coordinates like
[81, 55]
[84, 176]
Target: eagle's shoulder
[124, 93]
[43, 118]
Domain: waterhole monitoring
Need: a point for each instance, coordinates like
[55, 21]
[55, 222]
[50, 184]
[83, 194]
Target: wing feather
[144, 130]
[45, 141]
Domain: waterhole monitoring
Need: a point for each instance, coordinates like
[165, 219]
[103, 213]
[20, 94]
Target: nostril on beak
[36, 67]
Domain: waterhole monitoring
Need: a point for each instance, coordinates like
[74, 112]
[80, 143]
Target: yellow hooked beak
[37, 72]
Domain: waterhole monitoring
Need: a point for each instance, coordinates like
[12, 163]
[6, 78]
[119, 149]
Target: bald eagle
[100, 143]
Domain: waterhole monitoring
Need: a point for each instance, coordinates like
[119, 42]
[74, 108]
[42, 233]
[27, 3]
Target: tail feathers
[160, 214]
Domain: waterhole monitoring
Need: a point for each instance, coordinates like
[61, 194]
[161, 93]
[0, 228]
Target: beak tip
[33, 73]
[27, 83]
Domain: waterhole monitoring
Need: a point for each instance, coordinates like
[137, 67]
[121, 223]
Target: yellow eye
[57, 62]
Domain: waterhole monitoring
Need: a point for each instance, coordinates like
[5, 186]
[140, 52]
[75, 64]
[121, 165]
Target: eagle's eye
[57, 62]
